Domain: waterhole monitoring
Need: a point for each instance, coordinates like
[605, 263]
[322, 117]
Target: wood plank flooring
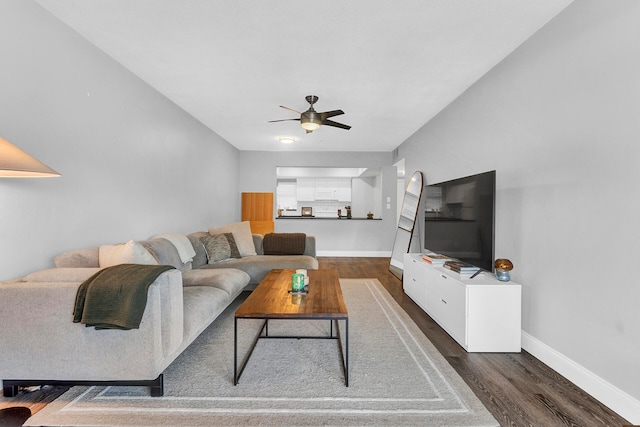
[518, 389]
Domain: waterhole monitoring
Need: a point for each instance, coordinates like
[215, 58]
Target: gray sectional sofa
[41, 345]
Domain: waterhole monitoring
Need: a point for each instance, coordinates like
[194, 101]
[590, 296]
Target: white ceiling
[390, 65]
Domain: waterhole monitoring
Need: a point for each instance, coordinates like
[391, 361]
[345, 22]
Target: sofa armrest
[310, 246]
[40, 341]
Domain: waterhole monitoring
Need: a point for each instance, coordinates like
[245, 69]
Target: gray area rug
[396, 377]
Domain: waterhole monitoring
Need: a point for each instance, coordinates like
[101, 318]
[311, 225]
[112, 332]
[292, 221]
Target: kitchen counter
[327, 217]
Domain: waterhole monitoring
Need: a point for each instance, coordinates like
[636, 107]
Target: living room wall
[558, 121]
[133, 164]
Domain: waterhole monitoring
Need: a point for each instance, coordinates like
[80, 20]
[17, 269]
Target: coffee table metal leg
[344, 352]
[238, 371]
[346, 369]
[235, 351]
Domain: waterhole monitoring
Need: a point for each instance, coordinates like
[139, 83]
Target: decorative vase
[503, 267]
[503, 275]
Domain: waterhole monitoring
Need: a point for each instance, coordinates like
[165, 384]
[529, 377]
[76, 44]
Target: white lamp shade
[311, 126]
[15, 163]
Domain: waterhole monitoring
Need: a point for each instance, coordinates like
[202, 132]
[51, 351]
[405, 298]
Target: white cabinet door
[326, 188]
[305, 189]
[494, 319]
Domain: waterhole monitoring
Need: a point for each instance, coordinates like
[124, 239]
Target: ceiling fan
[311, 120]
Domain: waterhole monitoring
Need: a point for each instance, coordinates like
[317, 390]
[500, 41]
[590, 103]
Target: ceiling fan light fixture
[311, 120]
[310, 125]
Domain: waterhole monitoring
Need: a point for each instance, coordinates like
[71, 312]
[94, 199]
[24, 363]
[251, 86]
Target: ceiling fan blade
[290, 109]
[335, 124]
[283, 120]
[328, 114]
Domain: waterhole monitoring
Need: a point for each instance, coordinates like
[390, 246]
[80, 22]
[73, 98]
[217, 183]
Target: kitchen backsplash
[319, 209]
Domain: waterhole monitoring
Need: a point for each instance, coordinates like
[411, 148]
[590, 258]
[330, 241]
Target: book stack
[435, 259]
[465, 270]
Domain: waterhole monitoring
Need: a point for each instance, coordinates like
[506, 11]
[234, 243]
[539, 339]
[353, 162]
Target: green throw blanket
[115, 297]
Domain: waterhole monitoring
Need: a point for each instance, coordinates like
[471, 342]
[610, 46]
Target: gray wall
[558, 120]
[133, 164]
[334, 238]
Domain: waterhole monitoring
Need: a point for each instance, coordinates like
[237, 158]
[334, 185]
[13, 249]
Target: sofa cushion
[165, 253]
[242, 235]
[284, 243]
[125, 253]
[79, 274]
[181, 243]
[309, 245]
[78, 258]
[200, 258]
[230, 280]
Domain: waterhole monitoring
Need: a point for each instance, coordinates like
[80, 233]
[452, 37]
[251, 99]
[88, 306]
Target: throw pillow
[125, 253]
[242, 235]
[235, 252]
[200, 260]
[217, 247]
[284, 243]
[79, 258]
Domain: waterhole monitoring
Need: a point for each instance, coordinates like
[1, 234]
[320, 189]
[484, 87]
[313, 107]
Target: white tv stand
[482, 314]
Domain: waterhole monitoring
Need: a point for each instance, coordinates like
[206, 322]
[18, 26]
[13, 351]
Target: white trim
[619, 401]
[364, 254]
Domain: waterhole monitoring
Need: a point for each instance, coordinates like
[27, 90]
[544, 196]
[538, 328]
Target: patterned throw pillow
[220, 247]
[235, 252]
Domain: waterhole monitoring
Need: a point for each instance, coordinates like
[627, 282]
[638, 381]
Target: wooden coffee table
[271, 300]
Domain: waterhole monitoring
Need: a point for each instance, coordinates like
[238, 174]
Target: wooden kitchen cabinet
[257, 208]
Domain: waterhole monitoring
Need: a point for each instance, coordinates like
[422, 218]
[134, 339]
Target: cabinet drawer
[412, 268]
[452, 320]
[451, 293]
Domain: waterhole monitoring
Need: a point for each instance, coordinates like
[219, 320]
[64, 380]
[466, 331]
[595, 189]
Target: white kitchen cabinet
[323, 189]
[327, 188]
[482, 314]
[305, 189]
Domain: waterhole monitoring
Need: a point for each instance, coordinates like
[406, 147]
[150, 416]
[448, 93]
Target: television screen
[459, 219]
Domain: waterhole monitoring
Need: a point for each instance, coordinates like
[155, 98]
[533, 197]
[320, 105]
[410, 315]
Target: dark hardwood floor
[518, 389]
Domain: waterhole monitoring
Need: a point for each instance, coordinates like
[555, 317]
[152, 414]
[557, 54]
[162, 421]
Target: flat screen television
[460, 219]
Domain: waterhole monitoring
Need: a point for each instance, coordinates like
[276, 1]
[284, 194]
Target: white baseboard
[363, 254]
[619, 401]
